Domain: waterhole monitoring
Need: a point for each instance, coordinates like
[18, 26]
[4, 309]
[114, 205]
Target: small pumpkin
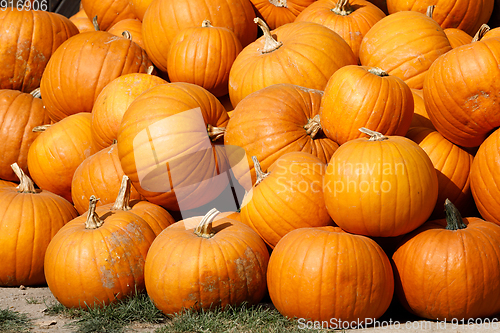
[130, 26]
[280, 12]
[108, 12]
[82, 21]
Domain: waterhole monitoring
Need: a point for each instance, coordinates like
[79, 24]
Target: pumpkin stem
[270, 44]
[95, 24]
[374, 136]
[150, 70]
[215, 133]
[123, 199]
[430, 11]
[278, 3]
[26, 185]
[378, 71]
[127, 34]
[313, 126]
[41, 128]
[481, 32]
[454, 220]
[93, 221]
[206, 24]
[36, 93]
[343, 7]
[204, 228]
[258, 171]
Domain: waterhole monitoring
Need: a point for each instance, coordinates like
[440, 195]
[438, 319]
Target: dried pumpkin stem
[150, 70]
[93, 221]
[215, 133]
[454, 220]
[41, 128]
[374, 136]
[270, 44]
[258, 171]
[123, 199]
[430, 11]
[95, 24]
[26, 185]
[378, 71]
[343, 7]
[481, 32]
[279, 3]
[127, 34]
[206, 24]
[313, 126]
[204, 228]
[36, 93]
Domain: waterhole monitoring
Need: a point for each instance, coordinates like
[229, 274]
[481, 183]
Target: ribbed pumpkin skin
[132, 25]
[450, 274]
[82, 66]
[28, 221]
[270, 123]
[139, 7]
[380, 188]
[98, 266]
[324, 273]
[165, 18]
[113, 101]
[485, 181]
[184, 270]
[404, 44]
[495, 32]
[7, 183]
[55, 154]
[354, 97]
[467, 15]
[82, 21]
[27, 41]
[310, 54]
[457, 37]
[460, 92]
[100, 175]
[108, 12]
[203, 56]
[352, 27]
[289, 197]
[279, 12]
[453, 165]
[420, 116]
[19, 113]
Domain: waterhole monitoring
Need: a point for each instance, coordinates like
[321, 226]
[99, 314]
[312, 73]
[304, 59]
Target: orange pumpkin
[82, 21]
[457, 37]
[279, 12]
[132, 25]
[108, 12]
[139, 7]
[420, 116]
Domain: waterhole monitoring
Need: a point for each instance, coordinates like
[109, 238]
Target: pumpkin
[165, 145]
[351, 19]
[382, 186]
[19, 113]
[301, 53]
[357, 96]
[165, 18]
[108, 12]
[58, 151]
[404, 44]
[287, 197]
[97, 260]
[449, 269]
[279, 12]
[100, 175]
[467, 15]
[460, 92]
[203, 56]
[452, 164]
[485, 32]
[139, 7]
[4, 183]
[457, 37]
[82, 21]
[113, 101]
[82, 66]
[133, 26]
[29, 219]
[28, 39]
[271, 122]
[420, 116]
[204, 262]
[325, 274]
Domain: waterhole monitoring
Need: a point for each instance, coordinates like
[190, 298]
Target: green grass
[32, 300]
[13, 321]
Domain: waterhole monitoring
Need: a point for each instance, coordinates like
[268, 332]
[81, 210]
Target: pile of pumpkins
[368, 130]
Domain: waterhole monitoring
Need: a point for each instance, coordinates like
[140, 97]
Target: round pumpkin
[380, 186]
[82, 21]
[108, 12]
[279, 12]
[58, 151]
[325, 274]
[203, 263]
[139, 7]
[420, 116]
[29, 219]
[28, 40]
[97, 260]
[132, 25]
[457, 37]
[449, 269]
[357, 96]
[301, 53]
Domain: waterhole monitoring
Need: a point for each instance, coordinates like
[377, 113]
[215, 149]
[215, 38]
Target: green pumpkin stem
[374, 136]
[204, 228]
[378, 71]
[481, 32]
[36, 93]
[95, 24]
[279, 3]
[93, 221]
[26, 185]
[258, 171]
[215, 133]
[270, 43]
[41, 128]
[122, 201]
[430, 11]
[454, 220]
[206, 24]
[343, 7]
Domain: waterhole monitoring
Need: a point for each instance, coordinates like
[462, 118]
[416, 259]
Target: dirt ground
[34, 301]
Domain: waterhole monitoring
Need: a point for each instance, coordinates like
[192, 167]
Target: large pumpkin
[325, 274]
[139, 7]
[204, 262]
[29, 218]
[380, 186]
[28, 38]
[279, 12]
[108, 12]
